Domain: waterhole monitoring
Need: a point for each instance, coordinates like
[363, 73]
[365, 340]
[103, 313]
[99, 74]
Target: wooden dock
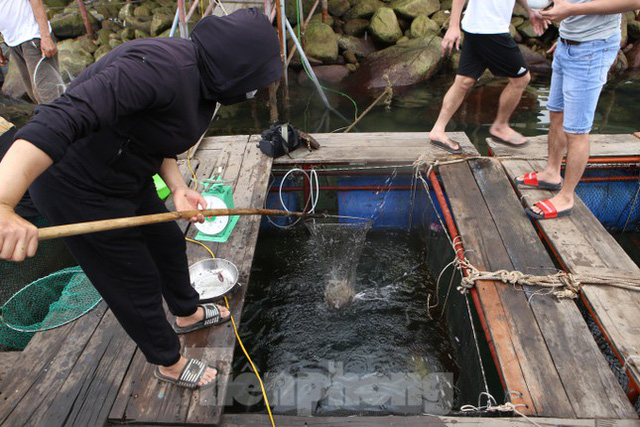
[90, 373]
[582, 245]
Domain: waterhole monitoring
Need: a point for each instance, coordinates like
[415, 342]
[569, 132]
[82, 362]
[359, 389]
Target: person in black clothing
[91, 155]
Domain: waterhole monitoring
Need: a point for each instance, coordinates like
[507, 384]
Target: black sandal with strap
[190, 376]
[212, 317]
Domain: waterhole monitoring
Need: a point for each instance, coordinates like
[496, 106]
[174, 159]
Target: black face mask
[237, 54]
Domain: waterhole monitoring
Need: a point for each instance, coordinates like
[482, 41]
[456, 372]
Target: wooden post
[325, 11]
[280, 29]
[85, 18]
[273, 102]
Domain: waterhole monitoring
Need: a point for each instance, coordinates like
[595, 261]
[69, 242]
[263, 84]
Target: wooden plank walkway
[543, 346]
[415, 421]
[601, 146]
[381, 147]
[584, 246]
[90, 373]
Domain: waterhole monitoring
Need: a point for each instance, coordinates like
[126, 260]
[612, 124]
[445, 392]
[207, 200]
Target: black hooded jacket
[148, 100]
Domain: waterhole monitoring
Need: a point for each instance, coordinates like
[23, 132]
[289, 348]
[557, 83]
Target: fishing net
[339, 244]
[52, 301]
[31, 302]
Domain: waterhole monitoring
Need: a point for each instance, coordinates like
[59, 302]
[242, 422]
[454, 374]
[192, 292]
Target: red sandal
[548, 211]
[531, 180]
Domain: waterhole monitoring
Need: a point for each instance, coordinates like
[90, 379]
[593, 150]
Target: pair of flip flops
[549, 211]
[212, 317]
[190, 376]
[531, 180]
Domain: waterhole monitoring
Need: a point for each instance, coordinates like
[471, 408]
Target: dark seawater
[385, 335]
[415, 109]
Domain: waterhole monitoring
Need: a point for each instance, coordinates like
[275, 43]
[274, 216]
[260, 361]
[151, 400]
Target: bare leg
[577, 158]
[509, 100]
[452, 100]
[557, 148]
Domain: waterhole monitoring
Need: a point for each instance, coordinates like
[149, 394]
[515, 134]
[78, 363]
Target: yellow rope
[233, 321]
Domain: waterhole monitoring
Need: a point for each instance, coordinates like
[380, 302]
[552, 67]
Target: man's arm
[452, 36]
[540, 24]
[562, 9]
[47, 45]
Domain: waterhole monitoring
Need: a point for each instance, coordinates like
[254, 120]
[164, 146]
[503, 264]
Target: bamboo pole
[325, 11]
[47, 233]
[85, 17]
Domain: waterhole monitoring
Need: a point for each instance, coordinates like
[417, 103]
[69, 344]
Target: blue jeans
[579, 72]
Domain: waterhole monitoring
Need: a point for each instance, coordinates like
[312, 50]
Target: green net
[50, 302]
[29, 301]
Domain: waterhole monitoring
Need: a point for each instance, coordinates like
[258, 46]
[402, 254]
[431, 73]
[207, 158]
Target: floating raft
[90, 373]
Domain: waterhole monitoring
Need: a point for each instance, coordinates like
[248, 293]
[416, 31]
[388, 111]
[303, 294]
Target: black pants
[134, 268]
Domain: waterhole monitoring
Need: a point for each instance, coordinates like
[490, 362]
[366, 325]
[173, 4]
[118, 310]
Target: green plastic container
[161, 187]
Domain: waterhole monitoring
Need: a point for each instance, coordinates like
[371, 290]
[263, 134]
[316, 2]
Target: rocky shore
[365, 43]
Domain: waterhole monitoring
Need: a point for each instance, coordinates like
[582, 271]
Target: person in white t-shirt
[26, 30]
[487, 44]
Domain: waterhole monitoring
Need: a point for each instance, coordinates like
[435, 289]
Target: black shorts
[497, 52]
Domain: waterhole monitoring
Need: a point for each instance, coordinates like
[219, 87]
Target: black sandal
[446, 146]
[212, 317]
[190, 375]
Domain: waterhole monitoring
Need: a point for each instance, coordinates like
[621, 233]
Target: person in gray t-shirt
[588, 45]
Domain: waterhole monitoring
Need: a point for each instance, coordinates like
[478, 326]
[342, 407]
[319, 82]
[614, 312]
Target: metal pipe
[348, 188]
[174, 25]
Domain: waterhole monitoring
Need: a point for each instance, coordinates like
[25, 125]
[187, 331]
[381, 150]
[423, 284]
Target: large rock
[326, 73]
[290, 8]
[338, 7]
[519, 10]
[405, 64]
[101, 51]
[160, 23]
[318, 18]
[537, 62]
[140, 24]
[623, 31]
[56, 3]
[620, 64]
[13, 85]
[361, 47]
[364, 9]
[423, 26]
[526, 29]
[355, 27]
[413, 8]
[321, 42]
[69, 24]
[384, 26]
[106, 8]
[633, 57]
[441, 18]
[73, 62]
[633, 30]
